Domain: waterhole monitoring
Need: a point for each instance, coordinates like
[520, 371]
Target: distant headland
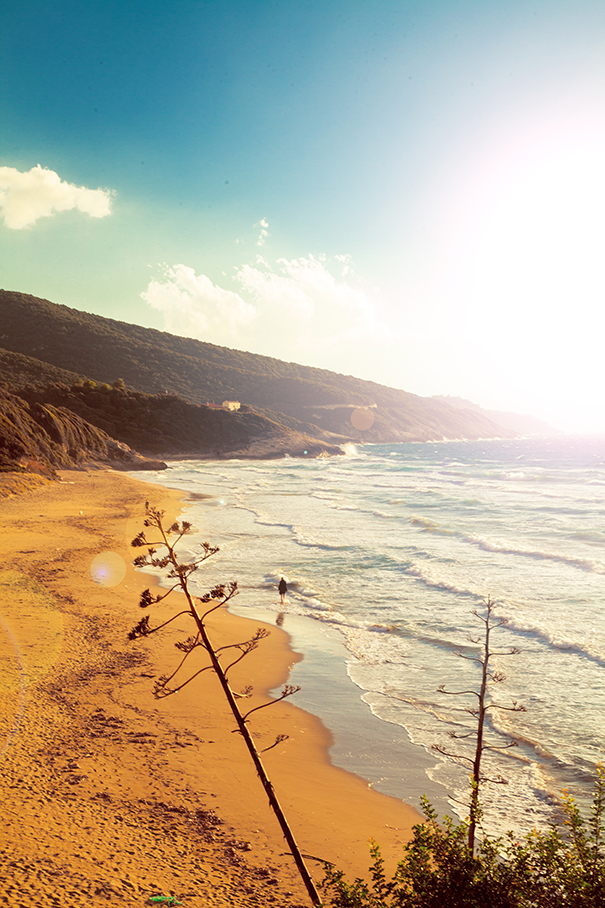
[80, 389]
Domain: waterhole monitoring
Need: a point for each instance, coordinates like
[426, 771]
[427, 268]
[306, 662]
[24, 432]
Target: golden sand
[111, 796]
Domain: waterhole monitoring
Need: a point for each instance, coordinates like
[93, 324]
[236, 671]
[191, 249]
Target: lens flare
[362, 418]
[108, 569]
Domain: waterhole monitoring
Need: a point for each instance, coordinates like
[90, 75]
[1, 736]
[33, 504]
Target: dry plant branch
[199, 608]
[484, 704]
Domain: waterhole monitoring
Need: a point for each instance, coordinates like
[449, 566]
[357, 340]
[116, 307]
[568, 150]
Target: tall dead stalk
[199, 608]
[480, 711]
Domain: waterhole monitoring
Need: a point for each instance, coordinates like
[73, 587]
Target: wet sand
[110, 795]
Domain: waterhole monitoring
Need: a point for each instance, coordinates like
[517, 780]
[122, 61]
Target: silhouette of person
[283, 589]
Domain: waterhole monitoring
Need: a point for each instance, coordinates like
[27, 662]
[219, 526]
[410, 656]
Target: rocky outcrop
[42, 438]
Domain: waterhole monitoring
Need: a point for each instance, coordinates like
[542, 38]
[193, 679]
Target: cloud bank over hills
[312, 303]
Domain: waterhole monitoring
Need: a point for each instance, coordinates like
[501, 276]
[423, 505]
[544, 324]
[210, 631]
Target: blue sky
[410, 192]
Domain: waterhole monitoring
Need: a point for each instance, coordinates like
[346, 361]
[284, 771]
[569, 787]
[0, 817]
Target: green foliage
[552, 868]
[17, 369]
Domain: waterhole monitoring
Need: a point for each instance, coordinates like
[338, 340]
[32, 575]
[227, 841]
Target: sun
[523, 274]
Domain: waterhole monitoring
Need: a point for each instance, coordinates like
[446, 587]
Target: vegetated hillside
[40, 438]
[167, 426]
[156, 362]
[17, 369]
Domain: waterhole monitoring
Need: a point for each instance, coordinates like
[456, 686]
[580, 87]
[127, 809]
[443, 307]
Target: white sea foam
[396, 545]
[493, 545]
[431, 579]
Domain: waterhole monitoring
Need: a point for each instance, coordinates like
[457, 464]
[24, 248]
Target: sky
[408, 192]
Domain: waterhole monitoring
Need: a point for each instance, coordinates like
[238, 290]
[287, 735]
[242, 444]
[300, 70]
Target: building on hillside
[231, 405]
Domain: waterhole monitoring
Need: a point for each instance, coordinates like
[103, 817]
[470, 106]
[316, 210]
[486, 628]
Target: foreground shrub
[555, 868]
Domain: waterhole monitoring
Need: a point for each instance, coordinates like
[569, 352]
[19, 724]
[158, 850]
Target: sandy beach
[112, 796]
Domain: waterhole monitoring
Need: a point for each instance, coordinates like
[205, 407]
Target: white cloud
[329, 309]
[193, 305]
[40, 193]
[264, 231]
[294, 309]
[277, 290]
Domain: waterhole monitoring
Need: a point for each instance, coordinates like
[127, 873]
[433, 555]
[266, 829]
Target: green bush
[552, 868]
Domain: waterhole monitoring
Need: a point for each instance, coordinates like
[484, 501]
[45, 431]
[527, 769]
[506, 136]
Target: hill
[167, 426]
[304, 399]
[39, 438]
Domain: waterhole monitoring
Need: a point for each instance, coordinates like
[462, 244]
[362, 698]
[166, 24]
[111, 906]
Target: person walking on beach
[283, 589]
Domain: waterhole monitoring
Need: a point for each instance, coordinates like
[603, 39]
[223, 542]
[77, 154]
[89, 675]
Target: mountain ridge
[45, 343]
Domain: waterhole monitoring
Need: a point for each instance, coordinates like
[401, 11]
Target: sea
[390, 553]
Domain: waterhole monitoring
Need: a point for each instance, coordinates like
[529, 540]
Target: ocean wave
[553, 640]
[423, 522]
[421, 573]
[517, 806]
[505, 548]
[310, 607]
[590, 536]
[373, 644]
[491, 545]
[387, 644]
[555, 496]
[428, 707]
[527, 798]
[473, 508]
[264, 520]
[309, 542]
[335, 501]
[429, 526]
[302, 598]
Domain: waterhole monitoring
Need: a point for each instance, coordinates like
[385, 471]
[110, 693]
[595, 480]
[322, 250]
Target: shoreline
[362, 743]
[111, 792]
